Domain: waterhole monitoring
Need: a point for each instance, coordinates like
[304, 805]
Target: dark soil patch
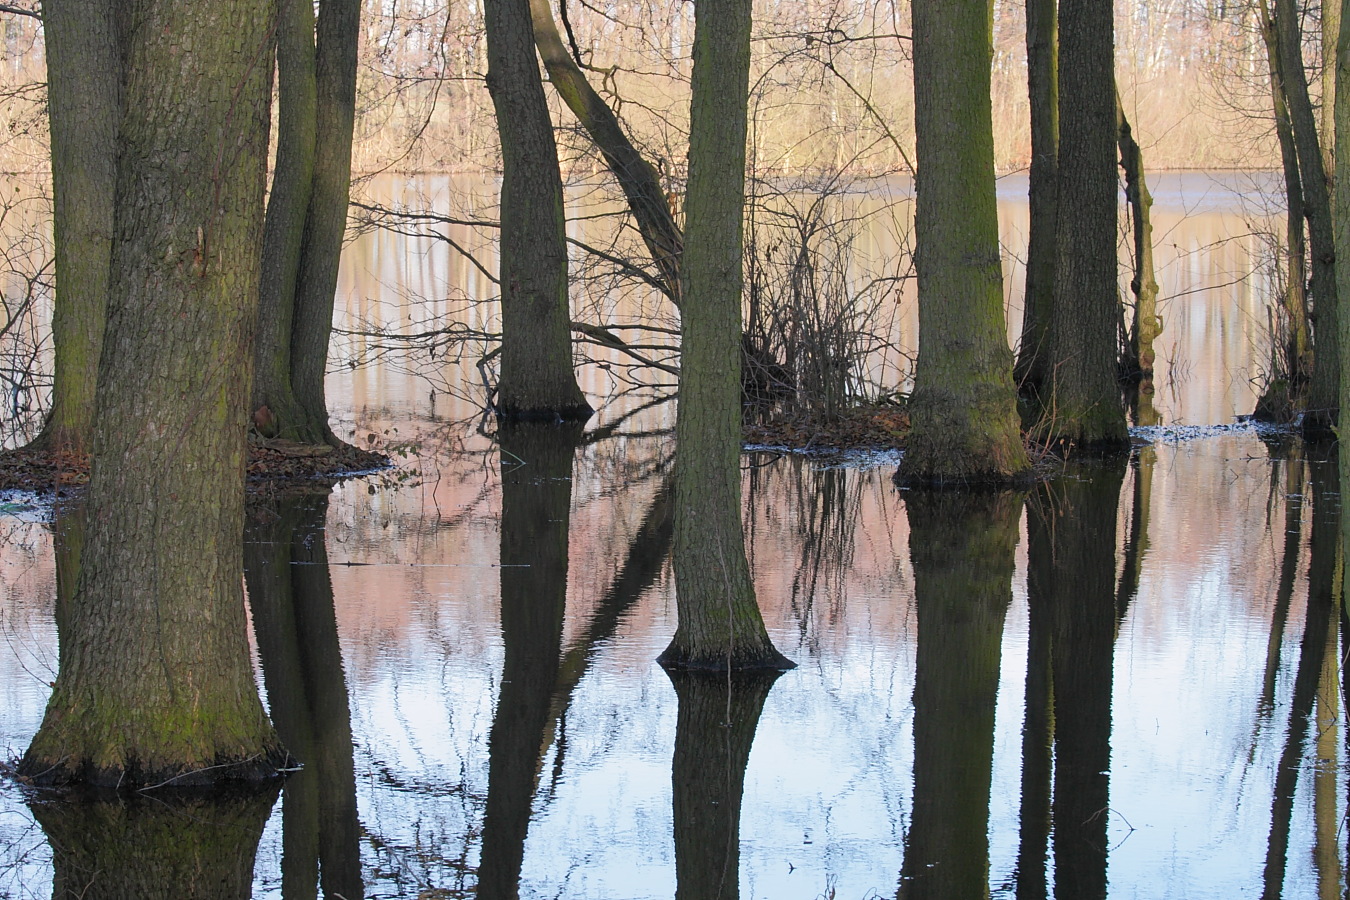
[269, 463]
[881, 427]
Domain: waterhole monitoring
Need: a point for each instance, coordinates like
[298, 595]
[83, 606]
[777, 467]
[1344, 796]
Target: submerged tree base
[64, 773]
[760, 657]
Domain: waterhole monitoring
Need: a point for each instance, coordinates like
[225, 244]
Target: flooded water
[1126, 683]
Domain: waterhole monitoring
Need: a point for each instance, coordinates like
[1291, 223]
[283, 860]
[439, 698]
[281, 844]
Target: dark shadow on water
[291, 597]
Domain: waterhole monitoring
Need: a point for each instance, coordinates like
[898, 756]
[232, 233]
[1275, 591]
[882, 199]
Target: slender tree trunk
[279, 413]
[84, 87]
[1342, 216]
[338, 31]
[155, 684]
[537, 380]
[1319, 418]
[963, 549]
[1084, 406]
[639, 180]
[964, 406]
[1043, 90]
[720, 626]
[1147, 325]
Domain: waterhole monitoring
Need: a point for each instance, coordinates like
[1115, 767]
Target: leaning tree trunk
[155, 684]
[1084, 405]
[1043, 91]
[720, 626]
[1147, 325]
[537, 380]
[640, 183]
[1319, 419]
[278, 411]
[83, 105]
[964, 406]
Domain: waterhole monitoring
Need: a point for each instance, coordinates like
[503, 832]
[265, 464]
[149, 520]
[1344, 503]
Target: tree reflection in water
[291, 597]
[962, 545]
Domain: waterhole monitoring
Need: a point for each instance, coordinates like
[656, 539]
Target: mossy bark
[714, 731]
[639, 180]
[202, 848]
[155, 684]
[1342, 198]
[1083, 405]
[290, 595]
[963, 411]
[720, 626]
[537, 380]
[536, 463]
[1043, 93]
[84, 88]
[963, 547]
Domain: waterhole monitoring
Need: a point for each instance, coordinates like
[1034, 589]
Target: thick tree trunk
[284, 232]
[963, 547]
[536, 466]
[1043, 91]
[84, 88]
[1084, 405]
[155, 684]
[1342, 216]
[1147, 325]
[714, 731]
[537, 380]
[290, 596]
[640, 183]
[964, 406]
[1319, 418]
[720, 626]
[338, 31]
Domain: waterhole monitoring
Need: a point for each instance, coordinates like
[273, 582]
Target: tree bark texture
[155, 684]
[1342, 216]
[284, 231]
[336, 37]
[714, 731]
[964, 406]
[1043, 92]
[720, 626]
[639, 180]
[84, 87]
[1319, 419]
[290, 595]
[1084, 405]
[537, 380]
[536, 465]
[963, 546]
[203, 848]
[1146, 324]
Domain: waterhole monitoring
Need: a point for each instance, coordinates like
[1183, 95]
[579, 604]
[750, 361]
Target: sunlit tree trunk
[1319, 418]
[964, 406]
[155, 684]
[83, 107]
[1084, 406]
[1043, 91]
[639, 180]
[537, 380]
[720, 625]
[963, 549]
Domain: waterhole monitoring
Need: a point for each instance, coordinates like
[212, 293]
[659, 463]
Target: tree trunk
[1084, 406]
[1342, 217]
[84, 89]
[336, 37]
[1147, 325]
[537, 380]
[1043, 90]
[1319, 419]
[536, 463]
[963, 547]
[155, 684]
[964, 406]
[720, 626]
[714, 731]
[640, 183]
[290, 596]
[284, 231]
